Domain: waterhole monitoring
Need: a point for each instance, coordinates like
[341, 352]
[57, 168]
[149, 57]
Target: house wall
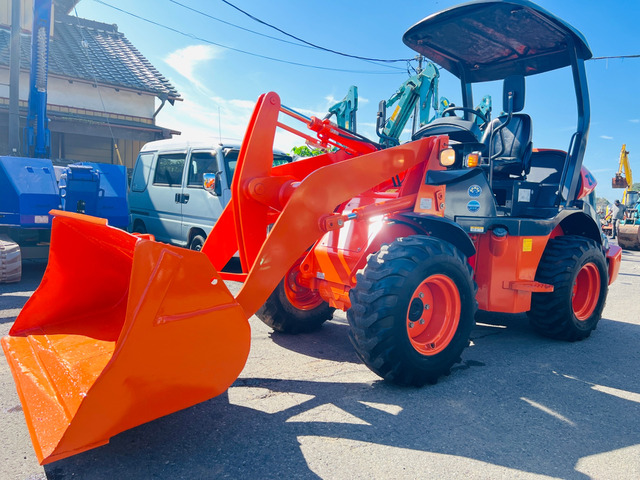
[26, 14]
[82, 142]
[78, 94]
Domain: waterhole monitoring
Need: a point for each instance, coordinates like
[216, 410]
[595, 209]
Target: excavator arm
[623, 177]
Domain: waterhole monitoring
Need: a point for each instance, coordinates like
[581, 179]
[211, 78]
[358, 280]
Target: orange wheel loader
[411, 241]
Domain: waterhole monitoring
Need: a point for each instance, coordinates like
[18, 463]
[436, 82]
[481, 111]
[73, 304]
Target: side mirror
[381, 118]
[212, 183]
[513, 94]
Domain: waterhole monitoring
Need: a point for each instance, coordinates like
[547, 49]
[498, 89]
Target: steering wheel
[449, 112]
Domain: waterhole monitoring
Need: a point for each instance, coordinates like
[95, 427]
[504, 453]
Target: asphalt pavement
[519, 406]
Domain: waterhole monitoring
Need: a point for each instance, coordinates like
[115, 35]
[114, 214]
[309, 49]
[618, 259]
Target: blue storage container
[112, 196]
[28, 191]
[79, 187]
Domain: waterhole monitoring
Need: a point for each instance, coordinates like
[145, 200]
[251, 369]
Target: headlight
[447, 157]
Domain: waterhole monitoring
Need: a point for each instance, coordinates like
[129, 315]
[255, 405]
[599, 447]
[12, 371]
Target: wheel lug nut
[421, 295]
[410, 324]
[427, 307]
[421, 321]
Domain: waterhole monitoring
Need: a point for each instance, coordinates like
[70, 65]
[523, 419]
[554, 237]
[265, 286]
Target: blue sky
[220, 85]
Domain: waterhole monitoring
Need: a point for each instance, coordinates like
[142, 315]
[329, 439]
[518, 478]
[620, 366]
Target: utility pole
[14, 81]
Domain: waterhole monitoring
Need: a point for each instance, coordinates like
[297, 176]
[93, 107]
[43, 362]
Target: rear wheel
[412, 310]
[577, 269]
[139, 227]
[294, 308]
[197, 242]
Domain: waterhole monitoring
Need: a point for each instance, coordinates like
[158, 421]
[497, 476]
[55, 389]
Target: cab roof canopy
[492, 39]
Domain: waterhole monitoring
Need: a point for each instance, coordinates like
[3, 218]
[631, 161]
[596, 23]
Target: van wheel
[197, 242]
[139, 227]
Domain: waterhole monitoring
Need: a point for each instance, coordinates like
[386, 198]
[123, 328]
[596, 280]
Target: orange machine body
[151, 329]
[123, 329]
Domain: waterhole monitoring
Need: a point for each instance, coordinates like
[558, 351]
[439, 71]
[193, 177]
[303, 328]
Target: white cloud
[203, 114]
[606, 137]
[186, 60]
[635, 120]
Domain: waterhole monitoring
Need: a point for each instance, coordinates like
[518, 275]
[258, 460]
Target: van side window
[199, 164]
[141, 172]
[169, 169]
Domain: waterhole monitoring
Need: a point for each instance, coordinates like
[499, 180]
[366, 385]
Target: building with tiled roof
[102, 92]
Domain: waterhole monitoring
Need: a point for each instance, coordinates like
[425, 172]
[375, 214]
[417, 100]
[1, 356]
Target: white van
[167, 197]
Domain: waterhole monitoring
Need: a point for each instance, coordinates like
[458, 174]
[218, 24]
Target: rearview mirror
[513, 94]
[381, 119]
[211, 183]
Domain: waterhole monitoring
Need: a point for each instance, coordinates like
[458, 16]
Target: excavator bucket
[122, 330]
[629, 236]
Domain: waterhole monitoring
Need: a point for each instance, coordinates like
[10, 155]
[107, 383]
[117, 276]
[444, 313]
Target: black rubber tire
[139, 227]
[278, 313]
[196, 243]
[552, 314]
[380, 305]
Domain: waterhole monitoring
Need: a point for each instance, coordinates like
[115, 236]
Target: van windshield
[231, 160]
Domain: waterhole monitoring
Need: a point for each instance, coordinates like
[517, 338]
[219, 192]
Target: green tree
[636, 187]
[306, 151]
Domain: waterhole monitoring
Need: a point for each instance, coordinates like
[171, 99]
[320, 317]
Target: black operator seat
[508, 137]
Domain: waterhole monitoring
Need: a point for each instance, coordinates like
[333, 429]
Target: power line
[298, 44]
[204, 14]
[200, 39]
[313, 44]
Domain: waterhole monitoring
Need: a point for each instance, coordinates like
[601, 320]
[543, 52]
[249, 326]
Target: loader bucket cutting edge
[122, 330]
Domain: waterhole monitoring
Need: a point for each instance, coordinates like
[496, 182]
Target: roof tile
[96, 52]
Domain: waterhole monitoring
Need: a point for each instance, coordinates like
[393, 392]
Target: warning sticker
[426, 203]
[527, 244]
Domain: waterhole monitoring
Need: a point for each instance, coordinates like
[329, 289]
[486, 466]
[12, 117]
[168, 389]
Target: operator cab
[507, 40]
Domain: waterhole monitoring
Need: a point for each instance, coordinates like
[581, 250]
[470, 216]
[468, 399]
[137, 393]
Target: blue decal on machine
[473, 206]
[474, 191]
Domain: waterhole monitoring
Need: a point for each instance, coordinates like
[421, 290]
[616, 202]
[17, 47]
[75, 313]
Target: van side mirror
[212, 182]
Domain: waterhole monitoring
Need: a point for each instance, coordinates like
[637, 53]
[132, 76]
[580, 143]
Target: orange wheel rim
[300, 296]
[586, 291]
[433, 315]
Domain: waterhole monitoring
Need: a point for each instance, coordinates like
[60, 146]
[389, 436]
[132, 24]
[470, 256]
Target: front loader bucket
[122, 330]
[629, 236]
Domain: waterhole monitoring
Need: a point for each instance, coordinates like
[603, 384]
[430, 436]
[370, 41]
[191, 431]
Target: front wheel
[577, 269]
[412, 310]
